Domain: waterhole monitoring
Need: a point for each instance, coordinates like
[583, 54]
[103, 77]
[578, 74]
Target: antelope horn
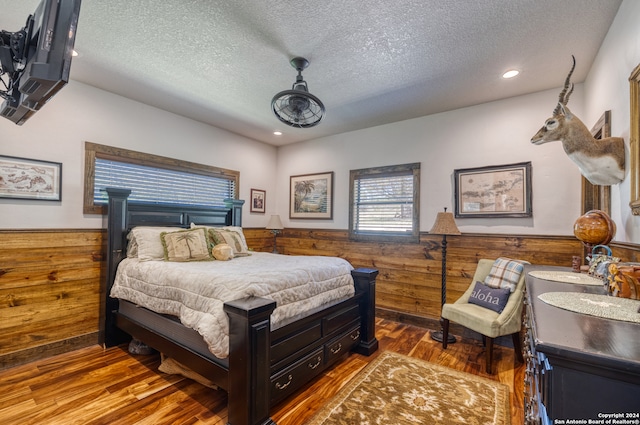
[563, 98]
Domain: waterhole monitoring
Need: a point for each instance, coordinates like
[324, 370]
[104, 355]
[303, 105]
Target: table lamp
[275, 225]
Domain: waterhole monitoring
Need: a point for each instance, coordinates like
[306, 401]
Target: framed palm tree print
[311, 196]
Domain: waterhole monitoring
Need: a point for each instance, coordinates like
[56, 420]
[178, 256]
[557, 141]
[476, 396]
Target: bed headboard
[124, 215]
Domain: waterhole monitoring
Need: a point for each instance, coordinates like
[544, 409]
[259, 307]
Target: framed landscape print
[494, 191]
[22, 178]
[311, 196]
[258, 200]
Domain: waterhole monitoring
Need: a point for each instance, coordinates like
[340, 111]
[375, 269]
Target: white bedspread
[196, 291]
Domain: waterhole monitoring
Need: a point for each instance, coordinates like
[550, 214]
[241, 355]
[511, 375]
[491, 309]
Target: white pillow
[147, 242]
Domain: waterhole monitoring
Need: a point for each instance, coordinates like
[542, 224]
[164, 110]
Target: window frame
[381, 172]
[95, 150]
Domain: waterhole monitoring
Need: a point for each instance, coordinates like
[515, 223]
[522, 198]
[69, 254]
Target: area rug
[396, 389]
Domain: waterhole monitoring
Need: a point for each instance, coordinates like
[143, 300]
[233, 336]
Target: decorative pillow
[240, 233]
[505, 273]
[236, 229]
[145, 242]
[222, 252]
[186, 245]
[492, 298]
[230, 237]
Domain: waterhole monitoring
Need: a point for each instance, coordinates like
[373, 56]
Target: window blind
[383, 204]
[160, 185]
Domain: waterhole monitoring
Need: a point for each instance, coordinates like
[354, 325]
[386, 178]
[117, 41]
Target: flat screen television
[37, 58]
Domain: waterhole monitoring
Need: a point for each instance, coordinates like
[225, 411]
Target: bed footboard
[257, 367]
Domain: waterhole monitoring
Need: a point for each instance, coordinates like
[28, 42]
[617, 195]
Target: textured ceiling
[371, 62]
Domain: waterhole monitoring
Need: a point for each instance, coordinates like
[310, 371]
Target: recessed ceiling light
[510, 73]
[278, 133]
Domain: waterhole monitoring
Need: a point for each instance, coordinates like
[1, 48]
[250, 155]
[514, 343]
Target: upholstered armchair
[490, 324]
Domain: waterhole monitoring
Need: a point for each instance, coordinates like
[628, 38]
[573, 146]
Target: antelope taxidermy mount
[601, 161]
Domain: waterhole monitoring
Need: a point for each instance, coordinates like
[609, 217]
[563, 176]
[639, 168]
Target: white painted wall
[490, 134]
[607, 86]
[495, 133]
[80, 113]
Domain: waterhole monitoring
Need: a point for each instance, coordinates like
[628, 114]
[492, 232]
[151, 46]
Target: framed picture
[494, 191]
[258, 200]
[311, 196]
[22, 178]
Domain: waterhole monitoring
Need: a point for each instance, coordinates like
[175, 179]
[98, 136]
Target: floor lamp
[275, 225]
[444, 225]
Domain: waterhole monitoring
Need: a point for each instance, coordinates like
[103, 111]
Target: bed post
[249, 361]
[235, 205]
[116, 246]
[365, 283]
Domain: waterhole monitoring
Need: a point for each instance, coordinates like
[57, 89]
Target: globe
[595, 227]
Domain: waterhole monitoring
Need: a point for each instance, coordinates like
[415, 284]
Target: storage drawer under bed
[302, 339]
[301, 372]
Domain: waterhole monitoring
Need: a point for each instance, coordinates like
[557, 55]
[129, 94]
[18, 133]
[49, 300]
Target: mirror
[634, 140]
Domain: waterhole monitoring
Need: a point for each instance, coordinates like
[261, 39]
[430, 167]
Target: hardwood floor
[94, 386]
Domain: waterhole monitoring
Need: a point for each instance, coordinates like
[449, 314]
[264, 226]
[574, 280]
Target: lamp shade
[445, 224]
[275, 223]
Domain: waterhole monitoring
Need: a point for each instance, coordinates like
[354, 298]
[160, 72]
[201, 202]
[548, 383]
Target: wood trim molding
[634, 140]
[597, 197]
[94, 150]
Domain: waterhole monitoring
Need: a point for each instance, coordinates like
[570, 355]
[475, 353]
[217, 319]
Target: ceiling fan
[297, 107]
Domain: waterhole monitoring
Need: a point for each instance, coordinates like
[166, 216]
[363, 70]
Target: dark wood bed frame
[264, 365]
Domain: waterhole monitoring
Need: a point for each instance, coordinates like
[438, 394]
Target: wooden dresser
[580, 368]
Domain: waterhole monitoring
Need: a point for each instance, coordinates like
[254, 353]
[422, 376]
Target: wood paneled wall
[50, 280]
[49, 292]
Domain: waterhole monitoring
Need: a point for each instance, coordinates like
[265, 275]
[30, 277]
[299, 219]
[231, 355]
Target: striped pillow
[505, 273]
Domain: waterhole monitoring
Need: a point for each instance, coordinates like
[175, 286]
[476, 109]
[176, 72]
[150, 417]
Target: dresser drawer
[342, 345]
[290, 379]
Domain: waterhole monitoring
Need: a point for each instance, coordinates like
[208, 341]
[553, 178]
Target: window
[153, 178]
[383, 203]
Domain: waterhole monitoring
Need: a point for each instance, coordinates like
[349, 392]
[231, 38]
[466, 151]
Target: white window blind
[160, 185]
[384, 201]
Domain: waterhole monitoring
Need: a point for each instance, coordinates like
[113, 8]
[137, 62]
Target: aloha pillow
[492, 298]
[505, 273]
[186, 245]
[230, 237]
